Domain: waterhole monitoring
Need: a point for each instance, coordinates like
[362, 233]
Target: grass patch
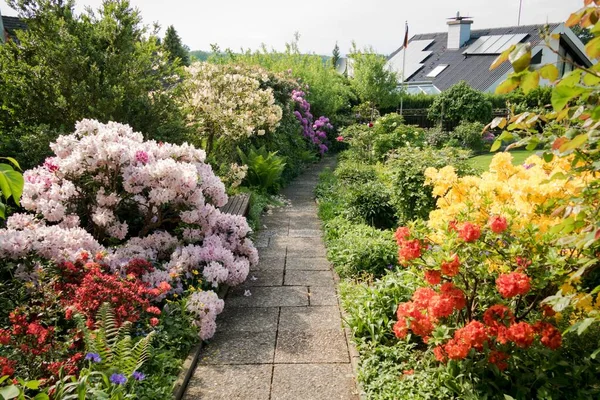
[483, 161]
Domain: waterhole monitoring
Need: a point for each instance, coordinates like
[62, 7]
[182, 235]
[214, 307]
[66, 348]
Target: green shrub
[264, 168]
[461, 103]
[437, 137]
[406, 171]
[356, 249]
[350, 172]
[369, 203]
[469, 135]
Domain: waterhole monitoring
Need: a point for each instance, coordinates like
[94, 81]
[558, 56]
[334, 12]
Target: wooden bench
[237, 205]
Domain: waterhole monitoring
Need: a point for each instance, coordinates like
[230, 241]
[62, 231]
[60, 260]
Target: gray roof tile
[474, 69]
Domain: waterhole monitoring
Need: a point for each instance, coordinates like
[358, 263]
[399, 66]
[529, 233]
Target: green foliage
[374, 142]
[329, 93]
[461, 103]
[369, 203]
[356, 249]
[437, 137]
[469, 135]
[406, 171]
[264, 168]
[11, 183]
[372, 81]
[67, 67]
[335, 55]
[351, 172]
[176, 49]
[114, 344]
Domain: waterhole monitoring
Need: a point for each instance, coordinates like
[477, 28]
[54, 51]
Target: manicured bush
[358, 249]
[369, 203]
[406, 172]
[461, 103]
[469, 135]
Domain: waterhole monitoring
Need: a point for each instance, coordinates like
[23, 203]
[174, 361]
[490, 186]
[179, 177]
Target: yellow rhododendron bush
[525, 193]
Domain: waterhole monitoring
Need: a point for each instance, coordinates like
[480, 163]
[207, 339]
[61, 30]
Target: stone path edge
[189, 365]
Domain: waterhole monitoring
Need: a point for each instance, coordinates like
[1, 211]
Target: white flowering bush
[109, 192]
[226, 102]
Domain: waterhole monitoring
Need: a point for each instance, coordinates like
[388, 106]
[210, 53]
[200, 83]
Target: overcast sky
[378, 23]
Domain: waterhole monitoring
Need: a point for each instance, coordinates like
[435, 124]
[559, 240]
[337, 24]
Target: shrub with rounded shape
[109, 192]
[461, 103]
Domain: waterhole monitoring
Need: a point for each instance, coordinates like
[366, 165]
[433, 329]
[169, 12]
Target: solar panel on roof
[415, 54]
[494, 44]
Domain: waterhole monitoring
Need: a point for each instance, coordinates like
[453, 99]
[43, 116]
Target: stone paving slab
[323, 296]
[224, 382]
[322, 346]
[308, 278]
[308, 264]
[266, 277]
[309, 318]
[305, 233]
[255, 319]
[281, 335]
[240, 348]
[269, 296]
[313, 381]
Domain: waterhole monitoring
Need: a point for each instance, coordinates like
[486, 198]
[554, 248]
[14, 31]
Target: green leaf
[591, 79]
[41, 396]
[507, 397]
[533, 142]
[548, 157]
[11, 184]
[561, 95]
[34, 385]
[510, 84]
[496, 145]
[592, 48]
[520, 57]
[2, 210]
[9, 392]
[12, 160]
[549, 72]
[583, 325]
[576, 142]
[502, 57]
[530, 81]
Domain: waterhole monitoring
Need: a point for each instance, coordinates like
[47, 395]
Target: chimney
[459, 31]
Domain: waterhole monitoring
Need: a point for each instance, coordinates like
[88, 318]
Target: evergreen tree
[172, 43]
[582, 33]
[336, 55]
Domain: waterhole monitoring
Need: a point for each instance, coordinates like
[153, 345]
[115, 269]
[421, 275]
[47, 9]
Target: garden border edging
[189, 365]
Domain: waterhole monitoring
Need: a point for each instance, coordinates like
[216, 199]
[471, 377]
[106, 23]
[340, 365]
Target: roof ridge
[487, 29]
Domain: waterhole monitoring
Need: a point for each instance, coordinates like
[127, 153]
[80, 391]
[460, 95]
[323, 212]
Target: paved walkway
[284, 338]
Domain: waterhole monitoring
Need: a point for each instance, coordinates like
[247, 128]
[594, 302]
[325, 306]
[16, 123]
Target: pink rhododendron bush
[120, 220]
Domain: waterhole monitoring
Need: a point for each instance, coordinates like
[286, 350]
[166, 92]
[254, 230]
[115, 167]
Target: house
[8, 27]
[436, 61]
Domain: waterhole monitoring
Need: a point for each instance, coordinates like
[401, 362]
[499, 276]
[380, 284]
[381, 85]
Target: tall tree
[373, 81]
[172, 43]
[102, 64]
[583, 34]
[335, 55]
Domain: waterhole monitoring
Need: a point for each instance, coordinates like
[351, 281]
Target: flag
[405, 44]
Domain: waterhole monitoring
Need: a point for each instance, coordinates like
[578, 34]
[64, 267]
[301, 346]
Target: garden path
[281, 334]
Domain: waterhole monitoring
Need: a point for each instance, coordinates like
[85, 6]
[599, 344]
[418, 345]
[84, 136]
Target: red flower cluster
[127, 297]
[408, 249]
[498, 358]
[426, 307]
[469, 232]
[433, 277]
[7, 367]
[450, 268]
[138, 267]
[513, 284]
[550, 336]
[69, 366]
[521, 333]
[498, 224]
[471, 336]
[29, 336]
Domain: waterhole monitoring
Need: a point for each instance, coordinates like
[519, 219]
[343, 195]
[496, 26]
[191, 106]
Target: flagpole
[403, 67]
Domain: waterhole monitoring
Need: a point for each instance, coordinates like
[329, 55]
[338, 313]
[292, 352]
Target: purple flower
[93, 357]
[390, 266]
[118, 379]
[138, 376]
[527, 166]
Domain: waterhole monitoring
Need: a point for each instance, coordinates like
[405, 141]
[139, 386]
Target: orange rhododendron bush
[489, 259]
